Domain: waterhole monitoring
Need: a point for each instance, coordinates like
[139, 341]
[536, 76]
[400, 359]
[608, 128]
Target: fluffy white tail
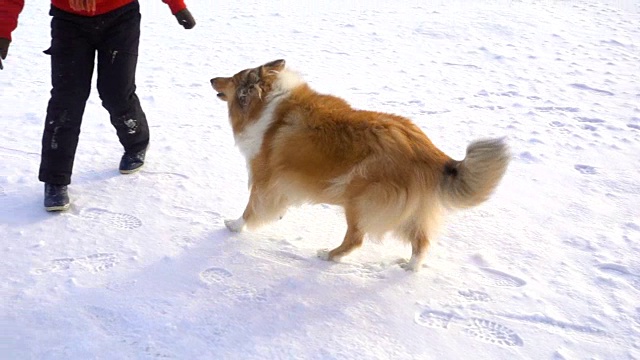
[471, 181]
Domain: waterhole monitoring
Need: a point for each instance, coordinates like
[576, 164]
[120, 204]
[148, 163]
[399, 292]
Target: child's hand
[185, 19]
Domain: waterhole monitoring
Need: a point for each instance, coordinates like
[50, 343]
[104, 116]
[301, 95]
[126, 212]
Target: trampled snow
[142, 266]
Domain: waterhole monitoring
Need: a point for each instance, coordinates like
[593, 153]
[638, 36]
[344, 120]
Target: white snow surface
[142, 267]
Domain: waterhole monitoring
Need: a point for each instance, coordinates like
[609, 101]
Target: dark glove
[4, 49]
[185, 19]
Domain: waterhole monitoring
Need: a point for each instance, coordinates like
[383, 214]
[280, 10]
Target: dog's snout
[218, 85]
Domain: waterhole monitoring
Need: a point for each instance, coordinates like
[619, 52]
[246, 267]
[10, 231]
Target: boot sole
[57, 208]
[125, 172]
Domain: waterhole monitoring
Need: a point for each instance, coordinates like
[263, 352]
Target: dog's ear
[253, 77]
[249, 88]
[275, 66]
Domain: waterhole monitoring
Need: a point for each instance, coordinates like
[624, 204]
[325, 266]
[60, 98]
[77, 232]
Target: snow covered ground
[141, 266]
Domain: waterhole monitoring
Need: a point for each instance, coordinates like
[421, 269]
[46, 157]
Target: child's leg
[117, 60]
[72, 59]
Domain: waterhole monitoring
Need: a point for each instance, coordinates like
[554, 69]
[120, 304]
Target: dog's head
[247, 89]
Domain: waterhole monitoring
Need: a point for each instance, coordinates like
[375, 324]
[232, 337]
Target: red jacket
[10, 9]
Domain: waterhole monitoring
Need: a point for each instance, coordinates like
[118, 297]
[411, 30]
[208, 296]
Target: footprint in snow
[95, 263]
[434, 319]
[586, 169]
[579, 243]
[474, 296]
[98, 262]
[246, 294]
[481, 329]
[492, 332]
[116, 220]
[55, 265]
[286, 258]
[124, 329]
[499, 278]
[214, 275]
[365, 271]
[181, 212]
[183, 240]
[621, 272]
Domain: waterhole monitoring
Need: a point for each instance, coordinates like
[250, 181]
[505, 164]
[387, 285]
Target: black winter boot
[56, 197]
[132, 162]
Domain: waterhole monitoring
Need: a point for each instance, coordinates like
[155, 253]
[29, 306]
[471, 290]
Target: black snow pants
[75, 40]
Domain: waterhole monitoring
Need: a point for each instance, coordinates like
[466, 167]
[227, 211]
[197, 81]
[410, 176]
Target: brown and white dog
[305, 147]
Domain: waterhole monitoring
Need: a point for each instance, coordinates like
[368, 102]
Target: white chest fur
[249, 141]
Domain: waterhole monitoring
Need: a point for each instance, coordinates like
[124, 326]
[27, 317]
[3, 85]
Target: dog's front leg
[236, 225]
[239, 224]
[263, 207]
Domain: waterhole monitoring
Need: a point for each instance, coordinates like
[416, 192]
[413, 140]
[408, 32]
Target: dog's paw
[409, 265]
[236, 225]
[324, 254]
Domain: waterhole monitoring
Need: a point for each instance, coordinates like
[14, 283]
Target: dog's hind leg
[419, 229]
[419, 247]
[352, 240]
[417, 234]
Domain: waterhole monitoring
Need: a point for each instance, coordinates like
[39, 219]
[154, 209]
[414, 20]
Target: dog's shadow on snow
[232, 286]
